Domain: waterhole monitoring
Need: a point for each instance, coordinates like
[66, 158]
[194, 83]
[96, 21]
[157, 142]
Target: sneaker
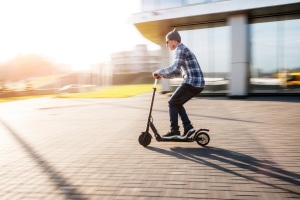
[172, 134]
[188, 132]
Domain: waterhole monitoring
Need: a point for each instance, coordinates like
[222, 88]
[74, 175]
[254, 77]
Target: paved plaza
[56, 148]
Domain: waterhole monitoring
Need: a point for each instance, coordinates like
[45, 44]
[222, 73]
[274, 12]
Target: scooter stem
[151, 106]
[155, 83]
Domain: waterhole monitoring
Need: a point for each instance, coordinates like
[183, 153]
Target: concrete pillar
[165, 62]
[238, 86]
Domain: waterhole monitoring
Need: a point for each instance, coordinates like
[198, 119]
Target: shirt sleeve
[175, 69]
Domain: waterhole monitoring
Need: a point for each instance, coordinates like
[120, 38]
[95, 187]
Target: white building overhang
[154, 25]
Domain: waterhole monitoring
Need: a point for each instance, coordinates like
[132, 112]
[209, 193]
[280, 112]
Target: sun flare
[74, 32]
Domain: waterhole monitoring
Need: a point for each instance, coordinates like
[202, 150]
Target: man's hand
[156, 76]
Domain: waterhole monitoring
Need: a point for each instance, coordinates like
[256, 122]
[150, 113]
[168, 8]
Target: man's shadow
[207, 156]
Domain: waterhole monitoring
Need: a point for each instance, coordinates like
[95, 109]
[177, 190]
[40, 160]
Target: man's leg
[184, 93]
[184, 117]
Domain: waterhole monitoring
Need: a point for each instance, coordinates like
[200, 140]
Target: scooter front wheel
[202, 138]
[145, 139]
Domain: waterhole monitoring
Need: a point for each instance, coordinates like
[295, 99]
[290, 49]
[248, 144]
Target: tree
[27, 66]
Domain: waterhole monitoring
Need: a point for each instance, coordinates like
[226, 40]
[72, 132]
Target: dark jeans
[181, 95]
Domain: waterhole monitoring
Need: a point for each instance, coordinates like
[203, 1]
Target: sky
[74, 32]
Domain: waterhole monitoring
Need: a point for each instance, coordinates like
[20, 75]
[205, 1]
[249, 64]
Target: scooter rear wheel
[202, 138]
[145, 139]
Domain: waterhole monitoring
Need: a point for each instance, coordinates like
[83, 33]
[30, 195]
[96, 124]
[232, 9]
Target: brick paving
[88, 149]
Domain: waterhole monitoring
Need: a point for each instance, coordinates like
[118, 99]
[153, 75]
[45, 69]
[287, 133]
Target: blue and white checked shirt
[185, 65]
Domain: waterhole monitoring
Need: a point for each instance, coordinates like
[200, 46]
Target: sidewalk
[88, 149]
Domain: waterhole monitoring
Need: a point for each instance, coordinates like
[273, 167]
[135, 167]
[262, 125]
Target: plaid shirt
[185, 65]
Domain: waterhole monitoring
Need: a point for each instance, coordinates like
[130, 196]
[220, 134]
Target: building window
[150, 5]
[274, 54]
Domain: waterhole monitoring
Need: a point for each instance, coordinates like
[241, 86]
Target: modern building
[138, 60]
[243, 46]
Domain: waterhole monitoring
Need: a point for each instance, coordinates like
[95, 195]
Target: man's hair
[173, 35]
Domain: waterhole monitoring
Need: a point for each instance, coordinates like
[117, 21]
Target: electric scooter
[200, 136]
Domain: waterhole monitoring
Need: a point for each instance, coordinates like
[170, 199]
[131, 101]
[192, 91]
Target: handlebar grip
[155, 83]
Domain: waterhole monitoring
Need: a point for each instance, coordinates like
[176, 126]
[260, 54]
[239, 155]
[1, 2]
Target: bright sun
[75, 32]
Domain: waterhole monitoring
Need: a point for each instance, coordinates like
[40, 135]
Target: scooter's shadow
[235, 163]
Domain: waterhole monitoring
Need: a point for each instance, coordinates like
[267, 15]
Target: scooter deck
[174, 139]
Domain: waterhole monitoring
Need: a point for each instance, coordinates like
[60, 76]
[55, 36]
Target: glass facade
[275, 54]
[210, 44]
[272, 64]
[149, 5]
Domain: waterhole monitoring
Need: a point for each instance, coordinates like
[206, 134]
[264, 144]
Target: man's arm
[174, 70]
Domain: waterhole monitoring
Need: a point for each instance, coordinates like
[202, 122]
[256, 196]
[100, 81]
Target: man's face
[171, 44]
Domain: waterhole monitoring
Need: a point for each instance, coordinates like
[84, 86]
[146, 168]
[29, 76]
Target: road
[54, 148]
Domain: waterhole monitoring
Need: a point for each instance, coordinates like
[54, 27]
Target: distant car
[73, 88]
[289, 78]
[293, 78]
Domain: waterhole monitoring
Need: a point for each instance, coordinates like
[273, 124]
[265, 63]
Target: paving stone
[55, 148]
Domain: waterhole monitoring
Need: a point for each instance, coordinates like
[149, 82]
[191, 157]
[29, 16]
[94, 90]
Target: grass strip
[118, 91]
